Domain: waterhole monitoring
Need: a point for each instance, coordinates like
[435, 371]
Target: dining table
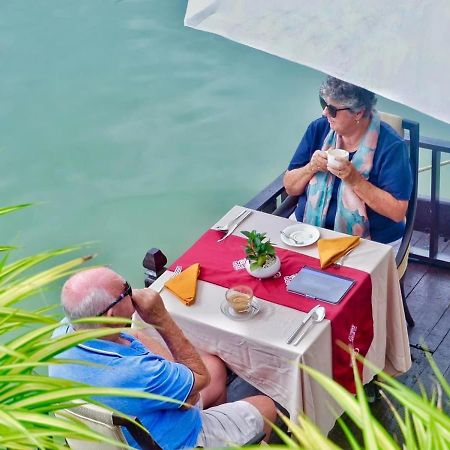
[256, 349]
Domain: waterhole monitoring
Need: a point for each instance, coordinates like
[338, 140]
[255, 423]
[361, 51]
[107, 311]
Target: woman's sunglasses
[332, 110]
[127, 291]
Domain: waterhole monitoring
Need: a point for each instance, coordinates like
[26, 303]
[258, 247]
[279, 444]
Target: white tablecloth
[256, 349]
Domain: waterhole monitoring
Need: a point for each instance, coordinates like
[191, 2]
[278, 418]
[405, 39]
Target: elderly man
[135, 361]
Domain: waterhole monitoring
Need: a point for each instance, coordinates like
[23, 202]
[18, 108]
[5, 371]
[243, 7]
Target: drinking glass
[239, 298]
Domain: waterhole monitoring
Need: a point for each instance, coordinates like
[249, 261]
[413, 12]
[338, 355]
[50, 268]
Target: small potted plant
[261, 260]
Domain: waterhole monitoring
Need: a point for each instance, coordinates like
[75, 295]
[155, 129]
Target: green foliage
[28, 400]
[258, 248]
[422, 423]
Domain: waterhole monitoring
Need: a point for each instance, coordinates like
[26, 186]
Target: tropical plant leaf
[366, 417]
[440, 377]
[348, 434]
[10, 209]
[24, 288]
[6, 248]
[13, 270]
[352, 407]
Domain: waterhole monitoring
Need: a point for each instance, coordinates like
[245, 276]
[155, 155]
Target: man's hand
[149, 305]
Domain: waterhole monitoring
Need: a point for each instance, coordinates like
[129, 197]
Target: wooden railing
[433, 213]
[432, 216]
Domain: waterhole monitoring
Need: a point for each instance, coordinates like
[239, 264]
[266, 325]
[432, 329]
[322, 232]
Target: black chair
[287, 207]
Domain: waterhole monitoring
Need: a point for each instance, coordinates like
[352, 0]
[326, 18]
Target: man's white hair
[90, 305]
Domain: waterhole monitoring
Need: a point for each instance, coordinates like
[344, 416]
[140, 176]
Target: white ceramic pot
[270, 268]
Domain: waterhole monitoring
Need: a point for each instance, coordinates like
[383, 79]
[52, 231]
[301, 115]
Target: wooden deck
[428, 296]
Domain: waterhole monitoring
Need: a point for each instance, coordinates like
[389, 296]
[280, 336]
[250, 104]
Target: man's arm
[150, 307]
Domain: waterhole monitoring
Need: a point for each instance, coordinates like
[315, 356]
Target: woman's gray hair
[349, 95]
[89, 306]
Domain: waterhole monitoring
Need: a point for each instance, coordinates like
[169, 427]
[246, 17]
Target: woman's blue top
[391, 171]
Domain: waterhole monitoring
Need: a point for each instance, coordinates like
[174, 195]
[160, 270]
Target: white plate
[232, 314]
[305, 235]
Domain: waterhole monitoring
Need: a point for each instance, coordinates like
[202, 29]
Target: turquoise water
[134, 131]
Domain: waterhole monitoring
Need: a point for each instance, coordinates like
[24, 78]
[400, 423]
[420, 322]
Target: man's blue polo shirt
[135, 367]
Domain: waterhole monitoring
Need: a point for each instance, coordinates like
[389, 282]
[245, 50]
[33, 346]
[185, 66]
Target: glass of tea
[239, 298]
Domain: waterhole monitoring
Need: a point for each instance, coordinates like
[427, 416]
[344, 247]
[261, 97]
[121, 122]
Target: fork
[176, 272]
[230, 231]
[227, 226]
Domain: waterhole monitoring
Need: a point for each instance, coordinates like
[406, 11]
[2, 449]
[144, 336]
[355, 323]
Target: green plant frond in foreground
[12, 271]
[22, 317]
[6, 248]
[48, 401]
[29, 347]
[10, 209]
[28, 399]
[22, 289]
[368, 429]
[424, 426]
[37, 428]
[418, 405]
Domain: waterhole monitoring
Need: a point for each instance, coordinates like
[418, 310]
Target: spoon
[291, 238]
[340, 261]
[317, 316]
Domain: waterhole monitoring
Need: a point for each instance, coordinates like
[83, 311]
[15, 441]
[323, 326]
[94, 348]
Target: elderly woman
[366, 195]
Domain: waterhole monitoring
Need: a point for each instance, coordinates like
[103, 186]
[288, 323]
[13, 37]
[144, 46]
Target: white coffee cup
[339, 153]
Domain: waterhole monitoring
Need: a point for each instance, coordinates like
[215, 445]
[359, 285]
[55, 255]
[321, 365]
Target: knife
[230, 231]
[299, 328]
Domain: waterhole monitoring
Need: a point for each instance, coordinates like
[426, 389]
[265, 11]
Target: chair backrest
[105, 422]
[400, 125]
[108, 424]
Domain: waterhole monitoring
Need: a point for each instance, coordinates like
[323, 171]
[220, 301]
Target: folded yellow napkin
[184, 285]
[330, 250]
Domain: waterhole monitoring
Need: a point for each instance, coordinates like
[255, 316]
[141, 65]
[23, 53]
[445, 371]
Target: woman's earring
[357, 121]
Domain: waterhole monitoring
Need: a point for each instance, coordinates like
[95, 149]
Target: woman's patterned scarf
[351, 215]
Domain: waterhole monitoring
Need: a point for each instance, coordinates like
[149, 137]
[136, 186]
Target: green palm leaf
[6, 248]
[29, 286]
[10, 209]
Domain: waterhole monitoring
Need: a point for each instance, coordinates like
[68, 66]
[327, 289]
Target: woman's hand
[318, 161]
[296, 180]
[345, 171]
[377, 199]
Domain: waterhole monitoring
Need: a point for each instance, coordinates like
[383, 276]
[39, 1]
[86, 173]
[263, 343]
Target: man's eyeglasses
[127, 291]
[332, 110]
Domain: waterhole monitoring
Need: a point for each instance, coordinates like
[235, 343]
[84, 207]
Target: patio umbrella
[398, 49]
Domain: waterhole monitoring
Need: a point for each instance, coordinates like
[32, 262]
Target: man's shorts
[230, 423]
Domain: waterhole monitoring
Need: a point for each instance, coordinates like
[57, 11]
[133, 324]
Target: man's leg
[236, 422]
[216, 392]
[266, 407]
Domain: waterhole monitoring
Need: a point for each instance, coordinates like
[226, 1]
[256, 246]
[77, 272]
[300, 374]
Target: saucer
[305, 235]
[232, 314]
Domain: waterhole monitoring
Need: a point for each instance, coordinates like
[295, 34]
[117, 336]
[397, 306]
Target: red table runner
[351, 319]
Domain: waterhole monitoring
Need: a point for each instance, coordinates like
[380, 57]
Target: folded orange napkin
[330, 250]
[184, 285]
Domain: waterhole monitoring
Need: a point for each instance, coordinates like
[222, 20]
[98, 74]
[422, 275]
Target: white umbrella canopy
[398, 49]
